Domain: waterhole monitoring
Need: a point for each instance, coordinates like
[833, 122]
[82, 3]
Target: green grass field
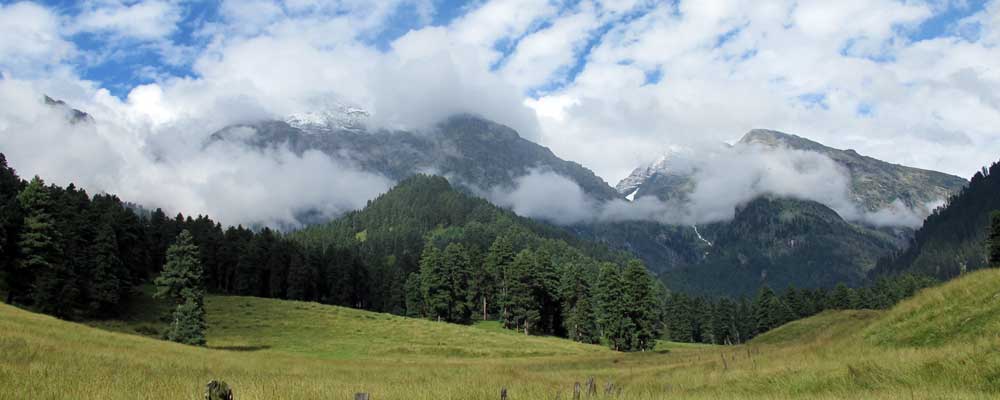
[941, 344]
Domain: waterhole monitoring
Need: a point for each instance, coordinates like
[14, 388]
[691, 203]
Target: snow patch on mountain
[334, 117]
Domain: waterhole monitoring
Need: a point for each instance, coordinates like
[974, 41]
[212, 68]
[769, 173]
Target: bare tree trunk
[485, 316]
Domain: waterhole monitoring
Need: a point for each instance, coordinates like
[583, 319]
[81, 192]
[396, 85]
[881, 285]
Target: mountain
[473, 152]
[953, 238]
[783, 242]
[72, 115]
[874, 184]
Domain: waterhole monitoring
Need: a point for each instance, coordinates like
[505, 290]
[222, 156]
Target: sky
[609, 84]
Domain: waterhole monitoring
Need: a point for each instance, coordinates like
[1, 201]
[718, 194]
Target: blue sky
[128, 63]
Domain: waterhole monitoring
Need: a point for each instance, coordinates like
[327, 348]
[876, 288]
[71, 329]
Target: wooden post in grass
[591, 387]
[576, 391]
[361, 396]
[218, 390]
[503, 393]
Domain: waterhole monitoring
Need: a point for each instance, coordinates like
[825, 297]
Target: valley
[284, 349]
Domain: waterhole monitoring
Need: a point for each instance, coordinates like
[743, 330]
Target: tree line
[726, 321]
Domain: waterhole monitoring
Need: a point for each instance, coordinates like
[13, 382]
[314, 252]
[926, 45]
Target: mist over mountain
[710, 182]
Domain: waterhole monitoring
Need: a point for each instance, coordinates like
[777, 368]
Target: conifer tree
[994, 240]
[523, 301]
[458, 269]
[39, 260]
[10, 225]
[414, 297]
[109, 278]
[498, 260]
[842, 298]
[769, 311]
[616, 326]
[642, 306]
[434, 283]
[579, 314]
[182, 281]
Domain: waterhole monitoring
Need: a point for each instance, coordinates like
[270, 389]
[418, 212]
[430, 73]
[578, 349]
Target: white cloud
[148, 20]
[30, 40]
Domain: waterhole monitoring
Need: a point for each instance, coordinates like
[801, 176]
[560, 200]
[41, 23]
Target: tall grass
[270, 349]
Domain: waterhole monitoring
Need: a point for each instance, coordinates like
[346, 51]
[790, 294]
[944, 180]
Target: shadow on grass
[240, 348]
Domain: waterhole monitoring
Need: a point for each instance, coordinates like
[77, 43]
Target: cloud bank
[722, 178]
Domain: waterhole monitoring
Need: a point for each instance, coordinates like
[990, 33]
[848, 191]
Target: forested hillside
[435, 252]
[953, 239]
[422, 249]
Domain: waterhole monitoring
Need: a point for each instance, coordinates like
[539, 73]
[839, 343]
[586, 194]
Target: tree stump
[361, 396]
[576, 391]
[218, 390]
[591, 387]
[503, 393]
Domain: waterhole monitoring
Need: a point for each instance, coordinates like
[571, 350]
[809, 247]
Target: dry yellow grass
[308, 351]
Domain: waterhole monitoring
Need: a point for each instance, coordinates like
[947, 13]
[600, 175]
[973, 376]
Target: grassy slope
[274, 349]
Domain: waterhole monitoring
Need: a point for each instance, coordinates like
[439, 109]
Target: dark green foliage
[579, 306]
[523, 301]
[612, 316]
[188, 325]
[642, 305]
[41, 256]
[723, 321]
[498, 259]
[769, 311]
[414, 296]
[106, 283]
[994, 241]
[182, 282]
[955, 238]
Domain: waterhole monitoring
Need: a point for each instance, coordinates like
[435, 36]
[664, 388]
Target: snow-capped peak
[335, 117]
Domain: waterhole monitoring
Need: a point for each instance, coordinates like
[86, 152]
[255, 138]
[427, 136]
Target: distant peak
[774, 138]
[336, 116]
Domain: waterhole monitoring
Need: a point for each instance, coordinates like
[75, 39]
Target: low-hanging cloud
[228, 180]
[723, 178]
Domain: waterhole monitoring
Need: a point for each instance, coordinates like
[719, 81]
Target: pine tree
[523, 299]
[434, 283]
[10, 226]
[769, 311]
[39, 260]
[994, 240]
[498, 260]
[579, 314]
[456, 264]
[642, 305]
[615, 325]
[414, 297]
[109, 279]
[182, 281]
[303, 274]
[842, 298]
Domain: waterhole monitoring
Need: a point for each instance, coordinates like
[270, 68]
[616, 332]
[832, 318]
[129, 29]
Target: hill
[285, 349]
[953, 238]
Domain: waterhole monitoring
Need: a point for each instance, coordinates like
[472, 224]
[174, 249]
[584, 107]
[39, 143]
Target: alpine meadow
[499, 199]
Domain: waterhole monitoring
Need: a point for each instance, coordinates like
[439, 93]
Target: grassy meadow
[943, 343]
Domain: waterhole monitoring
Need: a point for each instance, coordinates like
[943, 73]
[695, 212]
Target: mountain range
[772, 239]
